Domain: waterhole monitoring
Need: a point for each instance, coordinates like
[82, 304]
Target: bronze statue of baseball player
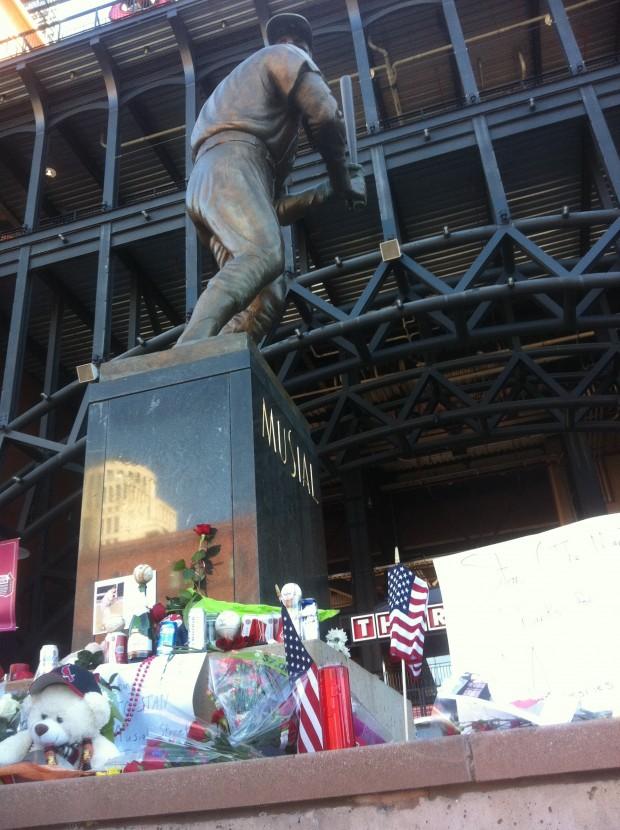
[244, 144]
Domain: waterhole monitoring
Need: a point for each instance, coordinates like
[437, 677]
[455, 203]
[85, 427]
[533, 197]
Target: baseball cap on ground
[288, 23]
[77, 679]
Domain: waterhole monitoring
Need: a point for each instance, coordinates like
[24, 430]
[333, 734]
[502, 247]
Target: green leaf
[213, 551]
[186, 594]
[179, 565]
[199, 555]
[188, 573]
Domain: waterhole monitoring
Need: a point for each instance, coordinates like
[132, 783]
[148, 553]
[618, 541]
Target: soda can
[210, 628]
[115, 647]
[309, 619]
[276, 631]
[167, 637]
[254, 629]
[197, 630]
[48, 659]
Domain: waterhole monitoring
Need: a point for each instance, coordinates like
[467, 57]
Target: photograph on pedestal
[117, 599]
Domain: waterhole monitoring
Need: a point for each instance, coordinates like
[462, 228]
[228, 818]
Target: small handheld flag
[303, 673]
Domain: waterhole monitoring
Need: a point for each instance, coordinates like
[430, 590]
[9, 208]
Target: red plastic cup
[336, 710]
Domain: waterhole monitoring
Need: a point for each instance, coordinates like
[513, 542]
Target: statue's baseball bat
[346, 94]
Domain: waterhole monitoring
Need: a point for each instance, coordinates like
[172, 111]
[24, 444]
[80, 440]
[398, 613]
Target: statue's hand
[356, 197]
[347, 183]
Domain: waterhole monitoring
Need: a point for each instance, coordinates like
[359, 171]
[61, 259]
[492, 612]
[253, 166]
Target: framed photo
[118, 598]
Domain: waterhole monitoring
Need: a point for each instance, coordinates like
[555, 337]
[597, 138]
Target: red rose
[203, 530]
[158, 612]
[197, 732]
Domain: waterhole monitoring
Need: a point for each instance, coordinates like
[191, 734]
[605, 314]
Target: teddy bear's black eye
[58, 720]
[43, 717]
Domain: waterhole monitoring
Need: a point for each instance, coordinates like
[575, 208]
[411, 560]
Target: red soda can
[336, 709]
[115, 647]
[278, 634]
[274, 632]
[254, 630]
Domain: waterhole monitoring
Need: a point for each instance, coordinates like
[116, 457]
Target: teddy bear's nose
[40, 729]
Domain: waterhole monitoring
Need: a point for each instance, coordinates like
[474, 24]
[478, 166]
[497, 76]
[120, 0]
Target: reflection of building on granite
[131, 507]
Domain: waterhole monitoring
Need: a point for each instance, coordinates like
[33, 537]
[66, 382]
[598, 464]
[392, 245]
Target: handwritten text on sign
[553, 600]
[163, 706]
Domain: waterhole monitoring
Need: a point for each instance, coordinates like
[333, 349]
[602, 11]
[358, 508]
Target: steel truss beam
[481, 399]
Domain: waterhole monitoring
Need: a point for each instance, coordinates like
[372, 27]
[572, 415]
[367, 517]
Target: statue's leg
[262, 313]
[230, 194]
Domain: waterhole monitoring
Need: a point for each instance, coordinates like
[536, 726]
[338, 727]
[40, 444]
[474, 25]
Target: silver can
[197, 629]
[115, 647]
[48, 659]
[309, 615]
[210, 628]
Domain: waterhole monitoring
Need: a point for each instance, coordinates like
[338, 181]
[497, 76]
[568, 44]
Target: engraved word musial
[282, 441]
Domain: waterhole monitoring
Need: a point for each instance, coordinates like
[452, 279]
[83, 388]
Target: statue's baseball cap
[76, 678]
[288, 23]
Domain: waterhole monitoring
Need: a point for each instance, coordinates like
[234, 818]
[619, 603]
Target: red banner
[8, 583]
[120, 11]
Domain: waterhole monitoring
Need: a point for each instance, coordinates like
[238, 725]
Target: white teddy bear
[65, 711]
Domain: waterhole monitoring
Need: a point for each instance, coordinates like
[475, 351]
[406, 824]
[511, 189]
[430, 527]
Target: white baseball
[291, 595]
[143, 574]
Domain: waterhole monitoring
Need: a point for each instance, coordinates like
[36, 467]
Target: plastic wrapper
[10, 715]
[254, 693]
[248, 711]
[251, 706]
[475, 705]
[368, 731]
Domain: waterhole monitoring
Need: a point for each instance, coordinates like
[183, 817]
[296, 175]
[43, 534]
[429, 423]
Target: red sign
[383, 623]
[436, 617]
[119, 11]
[8, 583]
[375, 626]
[363, 628]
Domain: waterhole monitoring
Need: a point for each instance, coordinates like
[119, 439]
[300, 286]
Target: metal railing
[101, 14]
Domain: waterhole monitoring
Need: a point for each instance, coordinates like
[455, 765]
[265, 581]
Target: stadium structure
[453, 347]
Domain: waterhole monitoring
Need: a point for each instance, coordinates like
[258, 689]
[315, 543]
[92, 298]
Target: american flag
[304, 676]
[407, 598]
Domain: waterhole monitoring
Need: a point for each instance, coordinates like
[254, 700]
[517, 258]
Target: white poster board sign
[162, 705]
[540, 616]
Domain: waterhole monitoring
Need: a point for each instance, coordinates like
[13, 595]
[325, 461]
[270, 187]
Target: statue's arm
[292, 207]
[324, 125]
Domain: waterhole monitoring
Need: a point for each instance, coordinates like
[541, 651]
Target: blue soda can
[167, 637]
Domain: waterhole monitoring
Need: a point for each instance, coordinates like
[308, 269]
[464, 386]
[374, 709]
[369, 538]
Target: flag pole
[403, 669]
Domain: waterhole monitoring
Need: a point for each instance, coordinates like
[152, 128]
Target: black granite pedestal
[200, 434]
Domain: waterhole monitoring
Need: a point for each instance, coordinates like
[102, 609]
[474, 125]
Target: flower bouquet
[254, 693]
[251, 705]
[9, 716]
